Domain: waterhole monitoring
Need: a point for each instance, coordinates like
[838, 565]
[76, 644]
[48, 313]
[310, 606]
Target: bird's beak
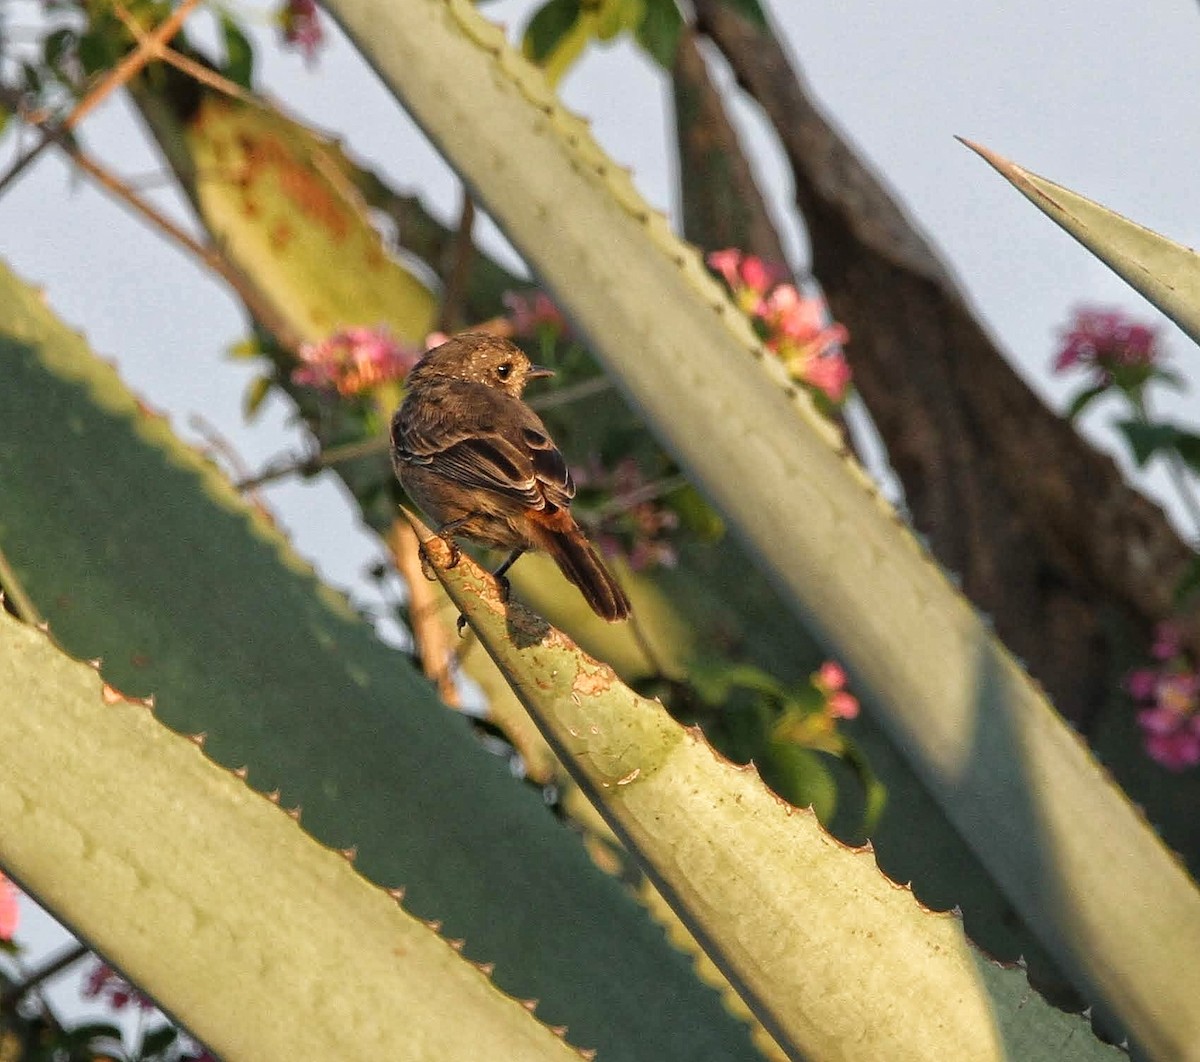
[538, 370]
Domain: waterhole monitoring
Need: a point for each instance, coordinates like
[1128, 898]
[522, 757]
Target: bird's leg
[447, 532]
[498, 574]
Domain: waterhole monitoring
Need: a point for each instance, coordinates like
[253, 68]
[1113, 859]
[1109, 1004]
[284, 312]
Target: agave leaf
[1165, 272]
[264, 943]
[812, 936]
[140, 552]
[1076, 859]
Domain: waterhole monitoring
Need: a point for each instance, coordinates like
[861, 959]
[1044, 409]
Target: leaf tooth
[43, 626]
[273, 796]
[198, 739]
[457, 945]
[435, 924]
[529, 1004]
[349, 854]
[587, 1053]
[559, 1030]
[94, 663]
[486, 969]
[396, 894]
[242, 772]
[293, 813]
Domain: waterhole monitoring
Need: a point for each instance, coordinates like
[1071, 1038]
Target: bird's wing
[497, 444]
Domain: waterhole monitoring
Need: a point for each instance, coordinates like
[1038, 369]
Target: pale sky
[1094, 94]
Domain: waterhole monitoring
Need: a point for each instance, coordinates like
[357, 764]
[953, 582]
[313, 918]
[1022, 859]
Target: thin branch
[67, 957]
[458, 270]
[566, 395]
[205, 75]
[218, 443]
[309, 466]
[272, 321]
[118, 76]
[621, 503]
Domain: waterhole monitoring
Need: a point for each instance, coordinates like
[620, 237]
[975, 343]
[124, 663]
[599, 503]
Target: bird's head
[477, 357]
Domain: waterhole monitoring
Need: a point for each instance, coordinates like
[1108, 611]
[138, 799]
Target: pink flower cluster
[1108, 343]
[105, 983]
[532, 312]
[639, 532]
[301, 27]
[1169, 698]
[830, 682]
[10, 911]
[795, 327]
[354, 360]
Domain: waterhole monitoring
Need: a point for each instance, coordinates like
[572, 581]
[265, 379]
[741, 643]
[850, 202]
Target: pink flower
[301, 27]
[830, 676]
[105, 982]
[795, 327]
[354, 360]
[1171, 738]
[830, 374]
[745, 272]
[1141, 684]
[830, 681]
[531, 313]
[843, 706]
[1170, 698]
[10, 911]
[1109, 343]
[639, 531]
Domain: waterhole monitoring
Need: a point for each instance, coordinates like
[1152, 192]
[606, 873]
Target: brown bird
[482, 465]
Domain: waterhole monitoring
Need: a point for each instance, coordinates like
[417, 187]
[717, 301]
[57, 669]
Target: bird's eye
[504, 371]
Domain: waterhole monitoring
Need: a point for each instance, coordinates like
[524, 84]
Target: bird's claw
[461, 625]
[427, 564]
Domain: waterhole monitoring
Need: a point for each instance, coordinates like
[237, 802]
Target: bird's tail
[576, 559]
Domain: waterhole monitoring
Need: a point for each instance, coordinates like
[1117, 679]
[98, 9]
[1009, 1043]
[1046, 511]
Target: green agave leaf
[1075, 858]
[1165, 272]
[250, 161]
[261, 941]
[790, 915]
[139, 552]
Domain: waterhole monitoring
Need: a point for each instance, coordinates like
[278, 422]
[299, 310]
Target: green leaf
[1145, 440]
[1165, 272]
[212, 897]
[802, 777]
[144, 555]
[696, 517]
[256, 394]
[1188, 446]
[1084, 399]
[784, 907]
[613, 17]
[57, 46]
[550, 24]
[714, 680]
[303, 217]
[158, 1040]
[239, 53]
[658, 31]
[1051, 828]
